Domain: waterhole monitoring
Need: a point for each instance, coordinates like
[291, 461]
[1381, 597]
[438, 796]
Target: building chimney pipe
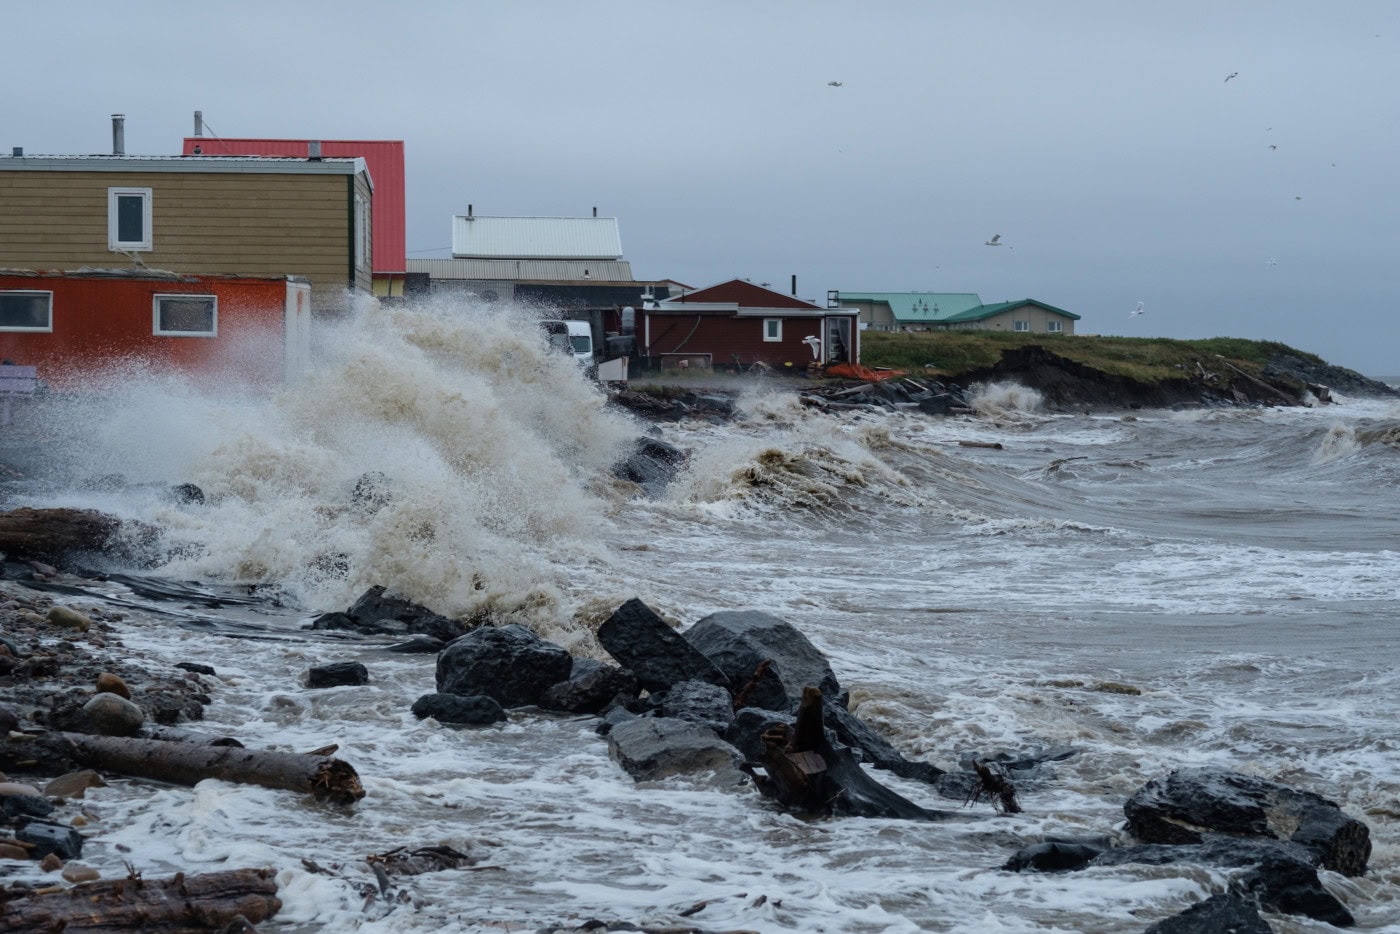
[17, 151]
[794, 285]
[118, 134]
[313, 149]
[199, 123]
[469, 210]
[595, 210]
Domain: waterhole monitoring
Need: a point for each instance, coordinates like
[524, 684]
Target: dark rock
[612, 717]
[738, 641]
[510, 664]
[187, 494]
[337, 674]
[111, 715]
[651, 748]
[874, 748]
[344, 622]
[195, 667]
[653, 651]
[652, 464]
[1190, 802]
[1291, 887]
[942, 404]
[1219, 914]
[1052, 856]
[455, 708]
[699, 702]
[9, 720]
[49, 837]
[1280, 874]
[418, 645]
[375, 612]
[26, 805]
[591, 687]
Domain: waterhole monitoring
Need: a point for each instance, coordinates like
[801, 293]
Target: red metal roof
[746, 295]
[385, 161]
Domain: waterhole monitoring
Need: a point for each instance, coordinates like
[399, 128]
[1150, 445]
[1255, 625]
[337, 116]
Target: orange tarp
[856, 371]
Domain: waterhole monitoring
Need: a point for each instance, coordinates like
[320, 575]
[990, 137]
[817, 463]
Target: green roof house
[945, 311]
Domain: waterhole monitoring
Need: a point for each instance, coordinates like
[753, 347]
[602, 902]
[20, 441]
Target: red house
[736, 324]
[384, 158]
[78, 328]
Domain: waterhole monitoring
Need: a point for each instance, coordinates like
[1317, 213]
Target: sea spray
[484, 440]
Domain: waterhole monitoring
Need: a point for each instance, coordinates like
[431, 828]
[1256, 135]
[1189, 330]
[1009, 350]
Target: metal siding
[386, 168]
[746, 295]
[104, 323]
[536, 269]
[730, 340]
[579, 238]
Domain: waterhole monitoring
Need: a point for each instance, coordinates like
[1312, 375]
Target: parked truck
[574, 338]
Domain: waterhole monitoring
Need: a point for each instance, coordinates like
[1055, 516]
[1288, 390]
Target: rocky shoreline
[741, 696]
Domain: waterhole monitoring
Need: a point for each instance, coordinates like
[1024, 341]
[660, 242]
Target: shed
[79, 327]
[736, 324]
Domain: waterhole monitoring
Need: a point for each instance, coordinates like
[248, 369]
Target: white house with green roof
[952, 311]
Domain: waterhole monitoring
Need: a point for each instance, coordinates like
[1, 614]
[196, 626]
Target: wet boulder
[699, 702]
[337, 674]
[739, 641]
[111, 715]
[651, 748]
[652, 464]
[374, 611]
[591, 686]
[1225, 913]
[644, 644]
[510, 664]
[454, 708]
[1053, 856]
[1188, 803]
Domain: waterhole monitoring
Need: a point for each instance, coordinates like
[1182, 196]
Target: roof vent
[17, 151]
[313, 149]
[118, 134]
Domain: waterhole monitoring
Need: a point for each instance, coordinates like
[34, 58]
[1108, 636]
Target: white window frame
[1054, 327]
[772, 335]
[113, 242]
[182, 296]
[1021, 325]
[362, 231]
[44, 330]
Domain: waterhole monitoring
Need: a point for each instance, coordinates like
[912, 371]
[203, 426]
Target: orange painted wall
[102, 324]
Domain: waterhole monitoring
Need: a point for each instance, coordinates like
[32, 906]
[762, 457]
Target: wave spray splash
[442, 452]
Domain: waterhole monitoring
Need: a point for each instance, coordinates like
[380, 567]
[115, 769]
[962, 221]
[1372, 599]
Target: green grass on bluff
[1146, 359]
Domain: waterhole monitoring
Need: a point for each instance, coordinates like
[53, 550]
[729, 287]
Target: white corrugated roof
[553, 270]
[478, 237]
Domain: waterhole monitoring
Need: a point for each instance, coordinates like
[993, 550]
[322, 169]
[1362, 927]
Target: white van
[572, 337]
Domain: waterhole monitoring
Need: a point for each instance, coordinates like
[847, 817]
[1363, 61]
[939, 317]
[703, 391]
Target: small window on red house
[24, 310]
[187, 315]
[772, 329]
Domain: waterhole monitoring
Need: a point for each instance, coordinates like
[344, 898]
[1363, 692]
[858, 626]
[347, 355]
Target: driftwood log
[52, 535]
[204, 902]
[324, 777]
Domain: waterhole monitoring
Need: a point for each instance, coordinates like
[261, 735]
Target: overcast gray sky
[1100, 139]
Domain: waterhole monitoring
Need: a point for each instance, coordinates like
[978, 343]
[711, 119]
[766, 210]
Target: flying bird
[1139, 310]
[1231, 75]
[1271, 262]
[995, 241]
[1272, 146]
[835, 84]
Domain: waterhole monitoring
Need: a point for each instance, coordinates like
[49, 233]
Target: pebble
[69, 618]
[110, 715]
[51, 862]
[74, 784]
[75, 873]
[11, 851]
[108, 683]
[16, 788]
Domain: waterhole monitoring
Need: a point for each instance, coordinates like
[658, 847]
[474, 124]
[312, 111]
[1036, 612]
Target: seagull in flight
[1139, 310]
[1271, 146]
[1231, 75]
[995, 241]
[1271, 262]
[835, 84]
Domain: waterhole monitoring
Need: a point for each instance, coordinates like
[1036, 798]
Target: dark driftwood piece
[205, 902]
[51, 534]
[185, 763]
[993, 783]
